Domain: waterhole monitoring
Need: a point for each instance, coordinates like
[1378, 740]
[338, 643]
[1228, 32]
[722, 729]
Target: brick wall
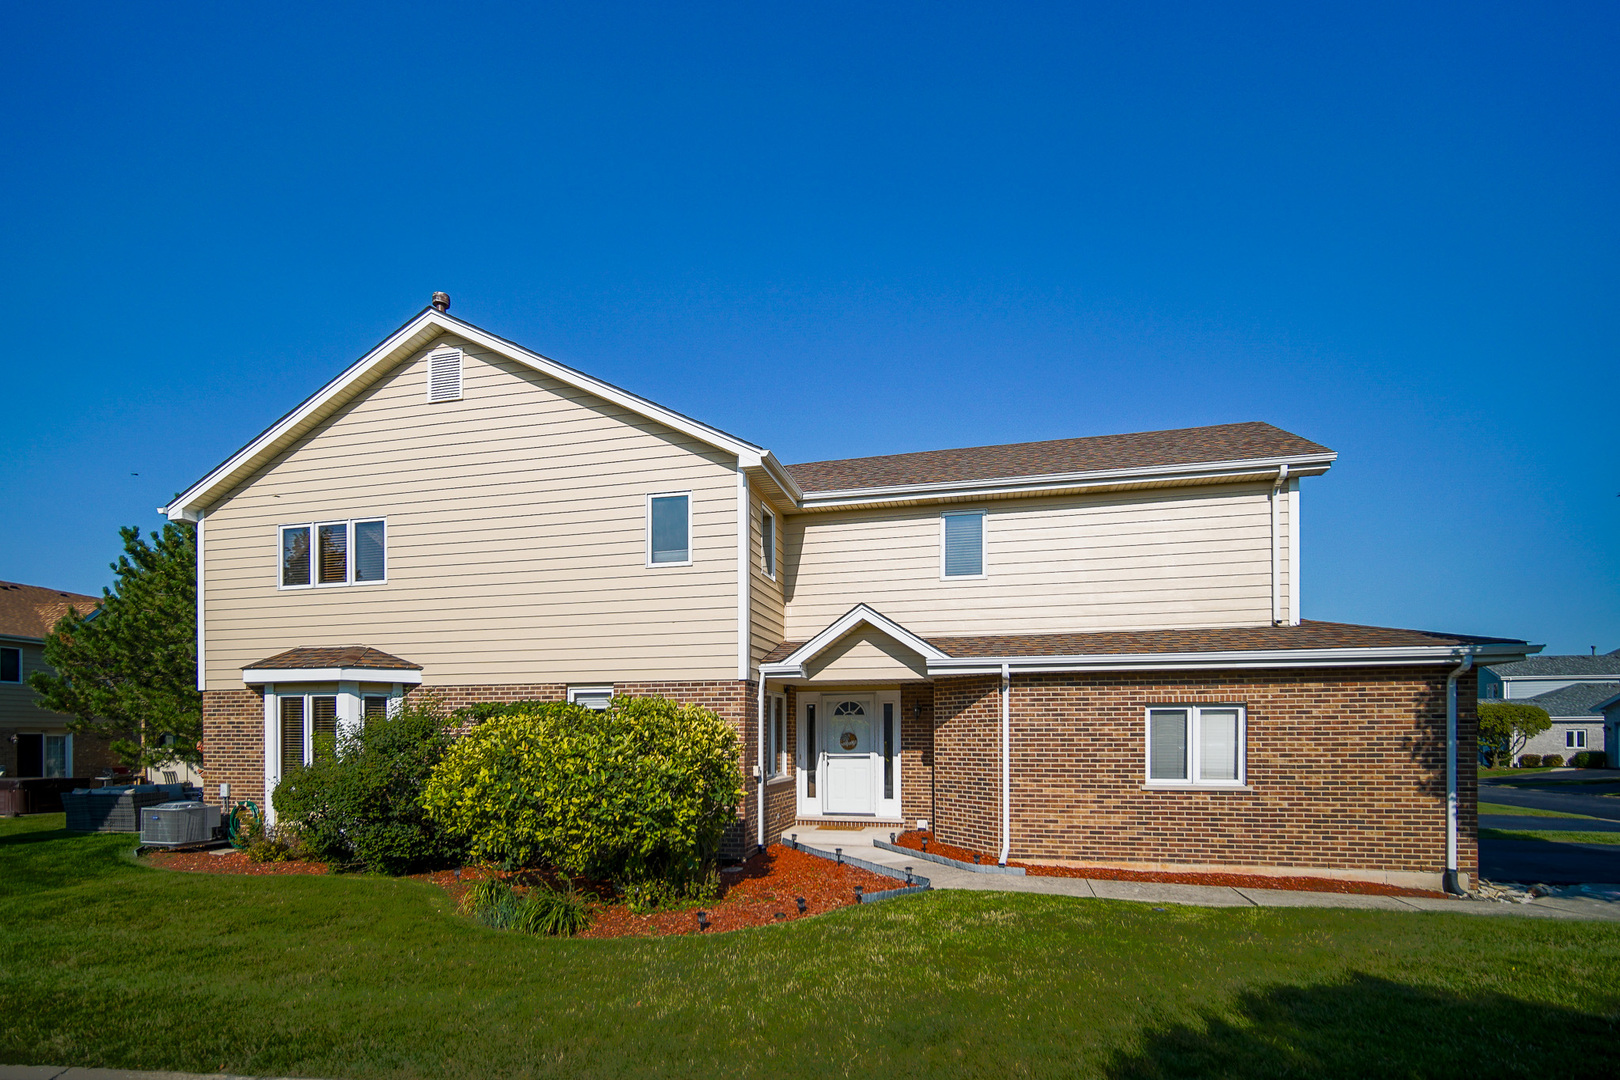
[916, 752]
[1346, 770]
[233, 744]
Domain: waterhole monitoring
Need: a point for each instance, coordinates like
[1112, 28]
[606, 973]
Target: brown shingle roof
[1307, 635]
[1147, 449]
[336, 656]
[30, 611]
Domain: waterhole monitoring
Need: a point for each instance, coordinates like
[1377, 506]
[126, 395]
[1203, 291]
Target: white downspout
[1006, 762]
[1450, 882]
[759, 768]
[1276, 546]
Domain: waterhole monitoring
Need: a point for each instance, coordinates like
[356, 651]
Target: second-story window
[962, 544]
[767, 540]
[351, 552]
[669, 529]
[10, 665]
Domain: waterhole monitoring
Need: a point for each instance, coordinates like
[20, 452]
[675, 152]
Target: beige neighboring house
[1085, 650]
[33, 740]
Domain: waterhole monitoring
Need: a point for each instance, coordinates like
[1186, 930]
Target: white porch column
[272, 751]
[348, 707]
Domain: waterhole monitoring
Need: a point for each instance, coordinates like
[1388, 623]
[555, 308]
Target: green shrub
[272, 844]
[360, 803]
[1530, 761]
[1552, 761]
[643, 791]
[1590, 759]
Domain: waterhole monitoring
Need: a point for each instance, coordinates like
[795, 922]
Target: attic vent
[444, 375]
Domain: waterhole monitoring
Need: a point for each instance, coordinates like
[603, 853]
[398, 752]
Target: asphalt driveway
[1594, 793]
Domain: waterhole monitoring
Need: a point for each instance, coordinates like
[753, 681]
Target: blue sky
[856, 229]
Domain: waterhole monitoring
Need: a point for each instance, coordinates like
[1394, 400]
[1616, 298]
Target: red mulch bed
[753, 894]
[913, 840]
[228, 861]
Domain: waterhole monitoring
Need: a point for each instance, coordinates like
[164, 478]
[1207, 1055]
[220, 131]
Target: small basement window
[444, 375]
[1196, 745]
[591, 697]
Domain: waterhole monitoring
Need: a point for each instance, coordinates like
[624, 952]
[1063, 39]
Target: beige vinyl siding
[768, 614]
[866, 655]
[516, 538]
[1183, 557]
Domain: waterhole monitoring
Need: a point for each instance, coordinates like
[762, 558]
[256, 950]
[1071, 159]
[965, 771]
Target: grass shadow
[39, 837]
[1368, 1026]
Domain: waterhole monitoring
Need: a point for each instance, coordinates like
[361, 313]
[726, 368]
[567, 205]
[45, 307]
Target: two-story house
[1086, 650]
[34, 741]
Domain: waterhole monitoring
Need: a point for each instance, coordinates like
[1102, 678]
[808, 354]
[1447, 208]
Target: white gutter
[1400, 656]
[745, 577]
[1006, 763]
[202, 659]
[264, 676]
[759, 766]
[1451, 884]
[1276, 545]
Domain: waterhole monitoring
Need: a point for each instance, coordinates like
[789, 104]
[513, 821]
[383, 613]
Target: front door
[849, 755]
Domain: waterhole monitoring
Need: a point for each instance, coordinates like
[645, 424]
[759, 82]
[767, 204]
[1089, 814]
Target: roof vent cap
[441, 301]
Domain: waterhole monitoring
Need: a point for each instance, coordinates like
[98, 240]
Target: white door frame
[811, 806]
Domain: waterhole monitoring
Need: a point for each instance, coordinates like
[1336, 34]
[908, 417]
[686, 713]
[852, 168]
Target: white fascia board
[858, 615]
[405, 340]
[260, 676]
[1307, 465]
[1403, 656]
[783, 478]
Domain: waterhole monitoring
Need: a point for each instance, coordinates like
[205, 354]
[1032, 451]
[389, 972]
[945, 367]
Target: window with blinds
[374, 707]
[1196, 746]
[962, 544]
[444, 375]
[325, 553]
[292, 733]
[323, 728]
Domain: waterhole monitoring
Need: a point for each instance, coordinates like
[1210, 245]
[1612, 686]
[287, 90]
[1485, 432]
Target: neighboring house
[33, 740]
[1570, 688]
[1609, 708]
[1084, 650]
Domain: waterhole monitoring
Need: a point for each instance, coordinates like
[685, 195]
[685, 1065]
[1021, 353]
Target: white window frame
[1195, 745]
[767, 549]
[984, 545]
[687, 495]
[314, 528]
[18, 651]
[599, 690]
[777, 748]
[1575, 739]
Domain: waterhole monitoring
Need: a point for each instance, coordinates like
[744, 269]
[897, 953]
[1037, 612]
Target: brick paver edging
[977, 868]
[914, 883]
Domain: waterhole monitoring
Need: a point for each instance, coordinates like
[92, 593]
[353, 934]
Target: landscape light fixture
[703, 920]
[891, 838]
[859, 896]
[839, 852]
[800, 901]
[925, 843]
[908, 875]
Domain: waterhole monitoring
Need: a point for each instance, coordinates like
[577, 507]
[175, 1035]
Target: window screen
[1167, 744]
[10, 665]
[964, 545]
[334, 553]
[295, 556]
[370, 551]
[374, 708]
[767, 539]
[323, 725]
[292, 733]
[1217, 744]
[670, 543]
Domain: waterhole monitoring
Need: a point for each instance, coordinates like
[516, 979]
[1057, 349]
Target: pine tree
[127, 672]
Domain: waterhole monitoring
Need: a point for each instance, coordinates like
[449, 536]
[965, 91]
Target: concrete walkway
[857, 843]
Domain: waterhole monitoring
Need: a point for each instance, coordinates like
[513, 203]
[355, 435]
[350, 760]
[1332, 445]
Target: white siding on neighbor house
[1153, 559]
[516, 538]
[1516, 688]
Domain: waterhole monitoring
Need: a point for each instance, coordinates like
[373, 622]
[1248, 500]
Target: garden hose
[234, 829]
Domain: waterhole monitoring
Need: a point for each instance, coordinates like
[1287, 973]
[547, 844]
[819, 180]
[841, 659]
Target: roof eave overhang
[191, 503]
[266, 676]
[1403, 656]
[1051, 483]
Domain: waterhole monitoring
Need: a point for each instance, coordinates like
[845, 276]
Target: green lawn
[1511, 771]
[1528, 811]
[1556, 836]
[105, 963]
